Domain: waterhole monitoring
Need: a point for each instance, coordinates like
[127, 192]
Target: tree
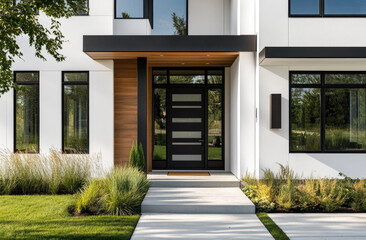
[21, 18]
[179, 24]
[125, 15]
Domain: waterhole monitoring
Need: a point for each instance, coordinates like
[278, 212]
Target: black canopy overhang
[222, 43]
[311, 52]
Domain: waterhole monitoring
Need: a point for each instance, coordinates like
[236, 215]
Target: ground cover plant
[53, 173]
[286, 192]
[46, 217]
[121, 192]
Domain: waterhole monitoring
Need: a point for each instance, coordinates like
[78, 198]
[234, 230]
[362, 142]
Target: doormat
[189, 174]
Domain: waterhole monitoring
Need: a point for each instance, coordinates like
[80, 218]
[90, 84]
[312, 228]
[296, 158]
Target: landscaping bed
[285, 192]
[46, 217]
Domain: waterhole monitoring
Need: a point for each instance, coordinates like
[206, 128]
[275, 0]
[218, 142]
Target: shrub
[120, 193]
[137, 159]
[288, 196]
[358, 202]
[331, 195]
[53, 173]
[308, 195]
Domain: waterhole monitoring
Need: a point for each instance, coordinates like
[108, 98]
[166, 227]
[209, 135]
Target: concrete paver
[322, 225]
[200, 226]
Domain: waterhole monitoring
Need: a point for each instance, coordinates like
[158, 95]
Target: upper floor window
[26, 112]
[328, 112]
[167, 17]
[129, 9]
[327, 8]
[75, 112]
[170, 17]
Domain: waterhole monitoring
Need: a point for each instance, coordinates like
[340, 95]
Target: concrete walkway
[200, 207]
[322, 226]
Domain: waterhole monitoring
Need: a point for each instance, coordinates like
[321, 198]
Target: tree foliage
[179, 24]
[22, 18]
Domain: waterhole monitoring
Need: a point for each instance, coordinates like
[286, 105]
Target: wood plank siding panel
[125, 109]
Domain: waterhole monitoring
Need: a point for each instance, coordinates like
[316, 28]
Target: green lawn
[272, 227]
[46, 217]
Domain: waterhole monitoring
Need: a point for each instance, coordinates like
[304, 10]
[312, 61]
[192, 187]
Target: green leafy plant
[288, 196]
[331, 195]
[137, 158]
[22, 19]
[358, 202]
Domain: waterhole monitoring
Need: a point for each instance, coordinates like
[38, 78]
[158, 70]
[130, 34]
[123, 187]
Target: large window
[170, 17]
[327, 8]
[327, 112]
[75, 112]
[26, 112]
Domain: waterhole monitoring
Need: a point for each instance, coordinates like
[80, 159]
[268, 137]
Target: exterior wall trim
[237, 43]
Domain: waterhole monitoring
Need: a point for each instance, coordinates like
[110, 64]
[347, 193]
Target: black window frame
[148, 13]
[206, 86]
[62, 108]
[321, 13]
[15, 110]
[322, 86]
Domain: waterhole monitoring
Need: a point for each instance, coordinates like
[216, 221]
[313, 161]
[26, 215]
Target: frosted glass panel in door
[186, 134]
[187, 97]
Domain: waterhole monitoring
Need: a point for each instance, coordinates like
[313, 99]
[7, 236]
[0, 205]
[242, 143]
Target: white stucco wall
[100, 22]
[277, 29]
[209, 17]
[131, 27]
[274, 144]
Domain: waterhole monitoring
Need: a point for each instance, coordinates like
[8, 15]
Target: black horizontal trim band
[209, 43]
[312, 52]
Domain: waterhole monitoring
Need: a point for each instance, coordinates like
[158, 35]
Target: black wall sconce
[276, 111]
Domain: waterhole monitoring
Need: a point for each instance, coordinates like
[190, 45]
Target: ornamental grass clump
[120, 193]
[53, 173]
[286, 191]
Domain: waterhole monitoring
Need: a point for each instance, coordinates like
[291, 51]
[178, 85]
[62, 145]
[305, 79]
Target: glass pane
[345, 7]
[160, 76]
[129, 8]
[299, 7]
[27, 77]
[187, 77]
[177, 157]
[76, 111]
[186, 106]
[160, 124]
[215, 77]
[187, 97]
[215, 124]
[187, 143]
[170, 17]
[305, 78]
[27, 119]
[345, 78]
[184, 134]
[305, 119]
[345, 120]
[187, 120]
[76, 77]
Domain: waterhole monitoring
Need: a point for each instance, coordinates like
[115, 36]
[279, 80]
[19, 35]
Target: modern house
[220, 85]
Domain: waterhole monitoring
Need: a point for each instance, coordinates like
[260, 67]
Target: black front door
[186, 128]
